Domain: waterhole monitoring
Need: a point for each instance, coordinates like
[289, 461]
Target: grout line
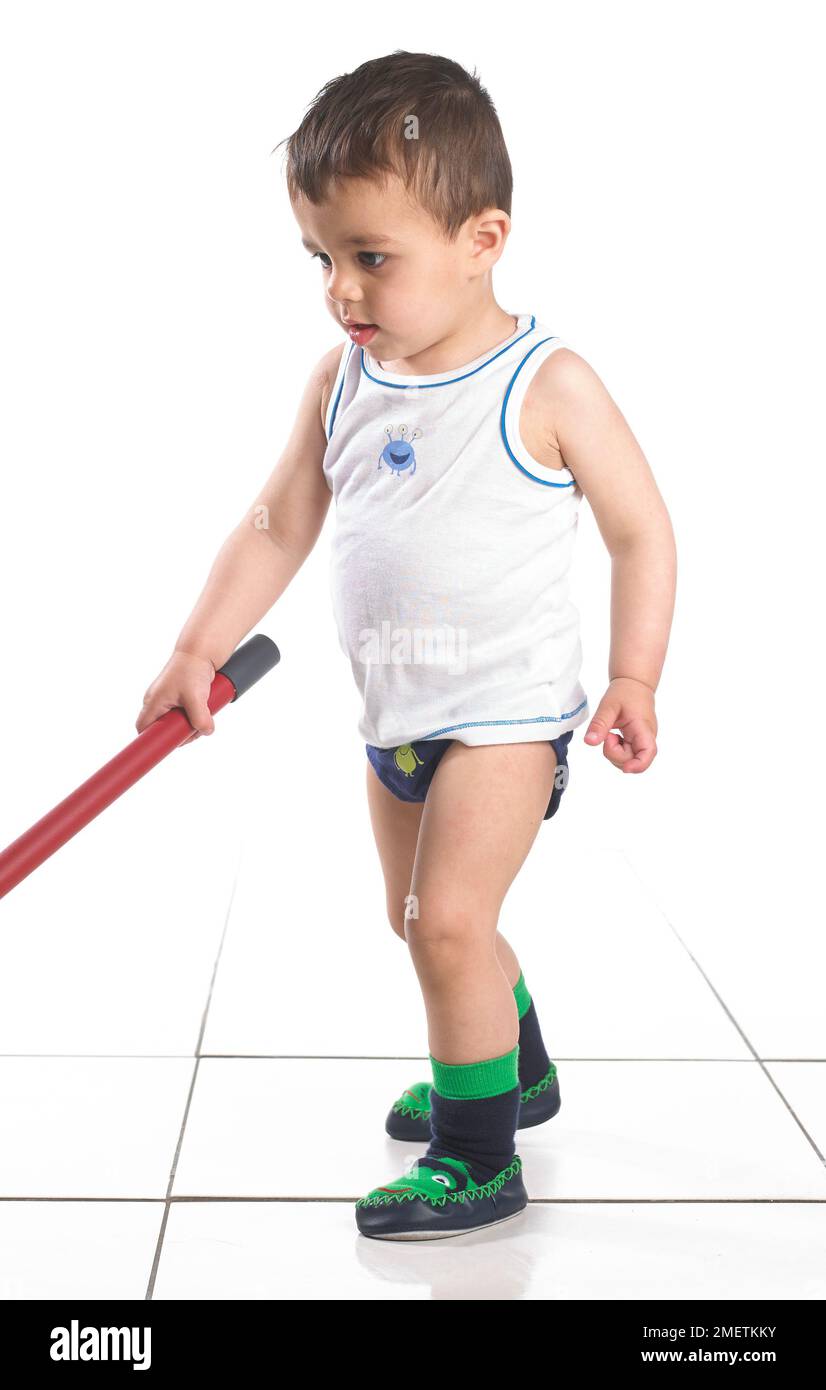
[167, 1200]
[724, 1007]
[533, 1201]
[347, 1057]
[350, 1057]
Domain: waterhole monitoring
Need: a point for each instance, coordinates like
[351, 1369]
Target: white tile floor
[195, 1071]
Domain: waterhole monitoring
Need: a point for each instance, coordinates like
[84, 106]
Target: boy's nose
[342, 291]
[345, 305]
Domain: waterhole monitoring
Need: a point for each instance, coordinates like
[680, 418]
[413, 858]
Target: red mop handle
[246, 666]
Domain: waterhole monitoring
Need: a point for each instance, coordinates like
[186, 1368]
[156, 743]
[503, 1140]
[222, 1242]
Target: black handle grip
[250, 662]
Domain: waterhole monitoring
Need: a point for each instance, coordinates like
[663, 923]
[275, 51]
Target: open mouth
[361, 333]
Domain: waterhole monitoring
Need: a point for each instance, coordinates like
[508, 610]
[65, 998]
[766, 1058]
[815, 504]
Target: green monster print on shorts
[406, 759]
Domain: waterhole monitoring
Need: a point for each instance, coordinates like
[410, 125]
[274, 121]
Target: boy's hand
[627, 705]
[185, 683]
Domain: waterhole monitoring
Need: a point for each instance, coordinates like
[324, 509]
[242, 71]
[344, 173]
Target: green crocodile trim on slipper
[547, 1080]
[414, 1101]
[418, 1184]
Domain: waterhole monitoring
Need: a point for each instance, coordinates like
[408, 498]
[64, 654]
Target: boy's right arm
[254, 565]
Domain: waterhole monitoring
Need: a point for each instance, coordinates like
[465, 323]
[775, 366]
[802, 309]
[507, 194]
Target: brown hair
[456, 164]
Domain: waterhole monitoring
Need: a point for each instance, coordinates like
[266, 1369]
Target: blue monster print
[398, 453]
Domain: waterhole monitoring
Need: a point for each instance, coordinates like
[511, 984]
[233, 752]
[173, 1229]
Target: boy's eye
[324, 258]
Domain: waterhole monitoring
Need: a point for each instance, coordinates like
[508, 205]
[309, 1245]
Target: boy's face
[402, 276]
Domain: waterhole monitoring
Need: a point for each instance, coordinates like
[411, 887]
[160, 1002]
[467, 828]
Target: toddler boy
[457, 440]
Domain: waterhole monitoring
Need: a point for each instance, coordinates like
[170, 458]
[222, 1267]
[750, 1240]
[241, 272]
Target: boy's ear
[490, 231]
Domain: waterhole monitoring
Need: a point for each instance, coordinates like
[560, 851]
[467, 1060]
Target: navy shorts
[407, 771]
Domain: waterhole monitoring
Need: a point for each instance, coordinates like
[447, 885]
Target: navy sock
[479, 1129]
[533, 1058]
[480, 1132]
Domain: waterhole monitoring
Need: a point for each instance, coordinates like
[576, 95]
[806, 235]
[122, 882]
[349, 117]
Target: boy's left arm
[609, 466]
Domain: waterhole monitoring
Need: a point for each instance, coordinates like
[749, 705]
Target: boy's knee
[446, 927]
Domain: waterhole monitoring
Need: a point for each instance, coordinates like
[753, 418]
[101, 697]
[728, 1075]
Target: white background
[158, 319]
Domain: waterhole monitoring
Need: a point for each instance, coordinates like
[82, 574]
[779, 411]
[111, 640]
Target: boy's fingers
[637, 749]
[604, 720]
[615, 750]
[642, 760]
[644, 746]
[144, 719]
[200, 719]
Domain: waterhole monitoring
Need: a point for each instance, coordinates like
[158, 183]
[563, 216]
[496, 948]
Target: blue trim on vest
[430, 386]
[485, 723]
[340, 389]
[546, 482]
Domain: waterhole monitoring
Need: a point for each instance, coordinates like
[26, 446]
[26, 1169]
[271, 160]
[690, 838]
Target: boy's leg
[396, 827]
[483, 811]
[484, 808]
[396, 832]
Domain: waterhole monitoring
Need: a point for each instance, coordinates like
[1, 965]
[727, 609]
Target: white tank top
[450, 560]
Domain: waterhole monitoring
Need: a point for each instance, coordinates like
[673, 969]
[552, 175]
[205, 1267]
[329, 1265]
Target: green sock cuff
[475, 1080]
[523, 998]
